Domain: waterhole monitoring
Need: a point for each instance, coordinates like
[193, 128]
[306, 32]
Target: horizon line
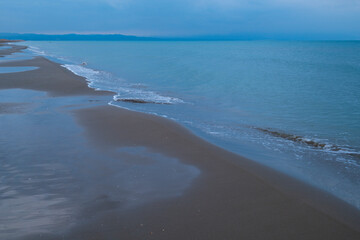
[244, 36]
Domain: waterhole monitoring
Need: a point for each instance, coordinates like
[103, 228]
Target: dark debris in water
[300, 139]
[130, 100]
[311, 143]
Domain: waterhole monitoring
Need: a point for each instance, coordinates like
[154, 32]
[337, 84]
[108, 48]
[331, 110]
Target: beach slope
[107, 153]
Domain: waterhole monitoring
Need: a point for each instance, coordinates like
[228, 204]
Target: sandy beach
[13, 49]
[74, 167]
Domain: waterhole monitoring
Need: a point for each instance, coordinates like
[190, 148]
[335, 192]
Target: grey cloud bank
[306, 19]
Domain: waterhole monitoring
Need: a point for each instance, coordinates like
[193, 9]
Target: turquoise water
[294, 106]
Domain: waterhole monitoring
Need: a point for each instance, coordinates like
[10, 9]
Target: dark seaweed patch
[130, 100]
[300, 139]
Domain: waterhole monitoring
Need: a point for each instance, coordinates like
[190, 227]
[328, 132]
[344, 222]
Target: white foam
[100, 80]
[105, 81]
[97, 80]
[147, 96]
[114, 105]
[88, 73]
[37, 51]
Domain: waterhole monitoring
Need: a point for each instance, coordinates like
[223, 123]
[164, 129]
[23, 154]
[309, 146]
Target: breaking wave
[125, 92]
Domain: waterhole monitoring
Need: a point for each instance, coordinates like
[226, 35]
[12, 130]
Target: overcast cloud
[272, 18]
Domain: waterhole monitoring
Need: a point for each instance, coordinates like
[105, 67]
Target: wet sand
[8, 51]
[119, 174]
[50, 77]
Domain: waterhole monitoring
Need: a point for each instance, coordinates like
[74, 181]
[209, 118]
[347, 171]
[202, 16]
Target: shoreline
[233, 197]
[13, 49]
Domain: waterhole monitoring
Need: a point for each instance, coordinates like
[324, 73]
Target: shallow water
[255, 98]
[16, 69]
[52, 177]
[15, 57]
[4, 47]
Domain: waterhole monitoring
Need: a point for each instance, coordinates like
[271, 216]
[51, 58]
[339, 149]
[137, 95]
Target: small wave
[126, 93]
[100, 80]
[114, 105]
[88, 73]
[136, 96]
[37, 51]
[311, 142]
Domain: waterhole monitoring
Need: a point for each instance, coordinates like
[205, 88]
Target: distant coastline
[70, 37]
[9, 41]
[122, 37]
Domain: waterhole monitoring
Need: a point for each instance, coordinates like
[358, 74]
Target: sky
[260, 18]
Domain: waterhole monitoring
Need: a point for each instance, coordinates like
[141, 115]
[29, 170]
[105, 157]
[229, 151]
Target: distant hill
[118, 37]
[8, 40]
[72, 37]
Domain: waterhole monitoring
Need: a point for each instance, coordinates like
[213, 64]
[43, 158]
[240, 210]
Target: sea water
[293, 106]
[16, 69]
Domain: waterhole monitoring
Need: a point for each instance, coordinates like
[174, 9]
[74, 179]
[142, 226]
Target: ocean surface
[293, 106]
